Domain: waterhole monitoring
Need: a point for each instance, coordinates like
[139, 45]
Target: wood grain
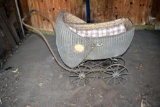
[101, 10]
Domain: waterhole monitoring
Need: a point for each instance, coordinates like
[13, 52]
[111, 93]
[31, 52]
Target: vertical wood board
[101, 10]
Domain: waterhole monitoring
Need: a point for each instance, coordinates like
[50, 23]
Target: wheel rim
[84, 76]
[115, 74]
[118, 60]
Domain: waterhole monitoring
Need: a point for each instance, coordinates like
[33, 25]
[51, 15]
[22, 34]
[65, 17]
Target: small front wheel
[82, 76]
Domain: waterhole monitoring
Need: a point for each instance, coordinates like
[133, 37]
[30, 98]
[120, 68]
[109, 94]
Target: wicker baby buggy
[83, 53]
[93, 47]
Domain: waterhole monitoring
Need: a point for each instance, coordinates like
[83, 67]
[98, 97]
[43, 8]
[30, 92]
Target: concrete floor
[40, 82]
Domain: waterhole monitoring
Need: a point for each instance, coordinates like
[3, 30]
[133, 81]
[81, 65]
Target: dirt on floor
[32, 78]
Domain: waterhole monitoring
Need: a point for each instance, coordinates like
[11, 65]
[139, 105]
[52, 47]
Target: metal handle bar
[40, 13]
[42, 36]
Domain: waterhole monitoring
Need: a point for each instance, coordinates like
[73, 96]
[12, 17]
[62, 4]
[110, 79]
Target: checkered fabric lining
[101, 32]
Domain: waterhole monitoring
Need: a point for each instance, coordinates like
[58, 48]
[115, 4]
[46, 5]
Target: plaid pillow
[101, 32]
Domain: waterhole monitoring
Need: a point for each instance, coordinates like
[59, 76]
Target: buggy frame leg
[112, 71]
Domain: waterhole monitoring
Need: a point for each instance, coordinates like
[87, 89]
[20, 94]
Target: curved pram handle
[28, 14]
[43, 37]
[40, 13]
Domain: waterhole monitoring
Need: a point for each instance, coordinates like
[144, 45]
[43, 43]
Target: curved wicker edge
[70, 18]
[66, 39]
[79, 24]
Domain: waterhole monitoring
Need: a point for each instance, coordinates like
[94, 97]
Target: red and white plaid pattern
[101, 32]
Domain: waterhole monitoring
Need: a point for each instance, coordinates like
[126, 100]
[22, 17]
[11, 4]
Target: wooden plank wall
[101, 10]
[156, 10]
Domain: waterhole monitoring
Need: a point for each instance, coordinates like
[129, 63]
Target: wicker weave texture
[94, 48]
[65, 40]
[111, 46]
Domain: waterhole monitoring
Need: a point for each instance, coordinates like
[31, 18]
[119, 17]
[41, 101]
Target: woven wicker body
[91, 48]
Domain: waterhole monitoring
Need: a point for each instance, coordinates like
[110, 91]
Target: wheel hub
[116, 74]
[82, 76]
